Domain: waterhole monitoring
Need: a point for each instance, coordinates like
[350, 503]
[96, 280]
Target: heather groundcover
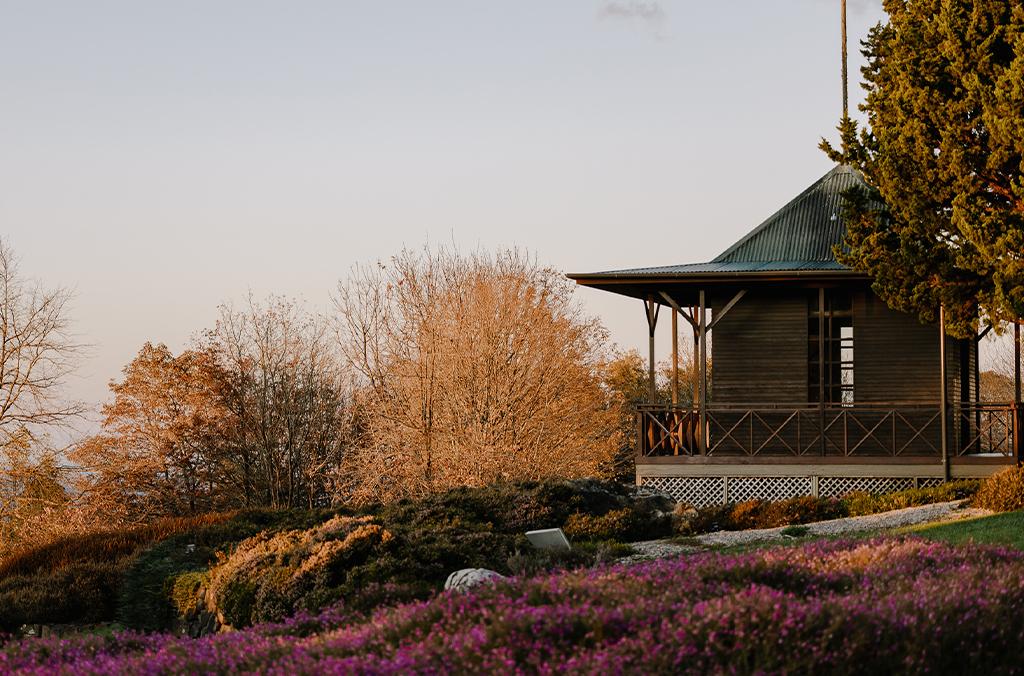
[888, 605]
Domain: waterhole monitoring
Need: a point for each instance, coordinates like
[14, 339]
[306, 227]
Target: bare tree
[288, 393]
[37, 353]
[476, 369]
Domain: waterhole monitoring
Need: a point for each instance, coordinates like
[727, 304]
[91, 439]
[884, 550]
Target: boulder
[467, 578]
[656, 501]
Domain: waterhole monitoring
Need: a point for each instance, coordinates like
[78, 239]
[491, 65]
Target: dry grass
[102, 546]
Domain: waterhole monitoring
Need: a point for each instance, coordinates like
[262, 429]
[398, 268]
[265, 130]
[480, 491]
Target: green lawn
[1001, 529]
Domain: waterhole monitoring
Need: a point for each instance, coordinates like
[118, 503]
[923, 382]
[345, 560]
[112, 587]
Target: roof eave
[591, 279]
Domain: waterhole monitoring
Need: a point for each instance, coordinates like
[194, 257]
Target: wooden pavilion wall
[760, 360]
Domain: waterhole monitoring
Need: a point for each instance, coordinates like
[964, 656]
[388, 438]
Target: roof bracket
[728, 306]
[984, 333]
[675, 306]
[652, 310]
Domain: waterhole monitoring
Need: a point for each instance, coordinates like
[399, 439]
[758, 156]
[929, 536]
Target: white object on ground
[467, 578]
[549, 538]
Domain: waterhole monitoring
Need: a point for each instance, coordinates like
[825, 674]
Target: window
[830, 374]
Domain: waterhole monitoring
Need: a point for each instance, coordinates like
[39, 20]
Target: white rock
[467, 578]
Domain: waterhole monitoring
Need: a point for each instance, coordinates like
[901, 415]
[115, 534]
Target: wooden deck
[775, 452]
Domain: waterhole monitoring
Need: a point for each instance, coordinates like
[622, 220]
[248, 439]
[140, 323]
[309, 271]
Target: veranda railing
[861, 430]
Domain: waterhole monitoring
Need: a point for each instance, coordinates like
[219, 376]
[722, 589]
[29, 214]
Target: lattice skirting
[704, 491]
[837, 486]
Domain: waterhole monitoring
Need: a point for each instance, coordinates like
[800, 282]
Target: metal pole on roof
[846, 105]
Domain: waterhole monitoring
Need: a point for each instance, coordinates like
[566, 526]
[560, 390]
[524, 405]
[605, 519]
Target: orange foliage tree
[159, 449]
[476, 369]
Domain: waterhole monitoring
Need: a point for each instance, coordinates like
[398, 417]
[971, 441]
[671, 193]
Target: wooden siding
[759, 353]
[759, 350]
[896, 358]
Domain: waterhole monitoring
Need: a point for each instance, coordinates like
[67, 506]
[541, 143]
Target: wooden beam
[675, 306]
[728, 306]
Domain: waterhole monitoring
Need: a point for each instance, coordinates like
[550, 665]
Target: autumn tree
[288, 393]
[625, 377]
[35, 504]
[943, 152]
[159, 450]
[37, 353]
[476, 369]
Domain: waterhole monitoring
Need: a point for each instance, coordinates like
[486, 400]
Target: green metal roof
[799, 237]
[806, 230]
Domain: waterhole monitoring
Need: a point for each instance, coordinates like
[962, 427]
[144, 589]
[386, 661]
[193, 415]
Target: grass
[998, 529]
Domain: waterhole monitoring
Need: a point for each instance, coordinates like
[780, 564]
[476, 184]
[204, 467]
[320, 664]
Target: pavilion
[816, 386]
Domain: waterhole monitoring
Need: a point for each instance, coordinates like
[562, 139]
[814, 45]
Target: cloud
[648, 12]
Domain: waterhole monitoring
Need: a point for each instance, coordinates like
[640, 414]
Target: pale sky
[163, 157]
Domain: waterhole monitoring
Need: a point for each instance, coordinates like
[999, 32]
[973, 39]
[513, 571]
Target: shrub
[268, 576]
[626, 524]
[860, 503]
[78, 579]
[147, 596]
[808, 509]
[805, 509]
[886, 605]
[160, 572]
[1003, 491]
[78, 592]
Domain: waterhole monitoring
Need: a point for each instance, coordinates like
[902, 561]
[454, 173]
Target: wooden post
[1016, 361]
[652, 321]
[1018, 411]
[703, 417]
[675, 358]
[695, 369]
[821, 369]
[943, 403]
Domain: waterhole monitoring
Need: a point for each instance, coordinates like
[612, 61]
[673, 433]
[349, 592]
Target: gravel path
[941, 511]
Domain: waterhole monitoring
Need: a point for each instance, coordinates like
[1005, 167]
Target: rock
[467, 578]
[658, 502]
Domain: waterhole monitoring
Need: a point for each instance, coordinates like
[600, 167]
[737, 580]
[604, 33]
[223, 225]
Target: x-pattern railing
[873, 429]
[988, 429]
